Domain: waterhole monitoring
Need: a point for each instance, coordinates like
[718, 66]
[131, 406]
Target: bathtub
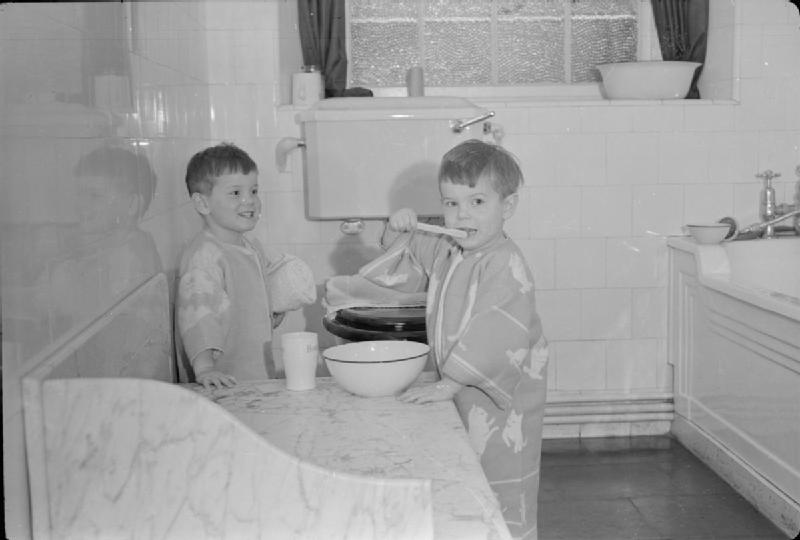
[734, 343]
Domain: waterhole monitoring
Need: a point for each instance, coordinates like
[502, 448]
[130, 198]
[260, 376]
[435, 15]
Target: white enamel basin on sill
[656, 79]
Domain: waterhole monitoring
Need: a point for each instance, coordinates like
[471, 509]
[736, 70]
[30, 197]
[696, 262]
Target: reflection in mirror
[65, 274]
[111, 254]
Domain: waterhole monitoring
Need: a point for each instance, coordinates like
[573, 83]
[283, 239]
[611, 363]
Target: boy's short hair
[209, 164]
[472, 160]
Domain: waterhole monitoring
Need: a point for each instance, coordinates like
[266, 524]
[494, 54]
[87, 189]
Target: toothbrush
[427, 227]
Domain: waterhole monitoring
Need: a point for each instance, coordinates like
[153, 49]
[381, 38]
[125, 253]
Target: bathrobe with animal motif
[485, 333]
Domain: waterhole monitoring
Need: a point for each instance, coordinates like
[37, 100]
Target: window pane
[456, 8]
[385, 9]
[607, 8]
[530, 41]
[458, 53]
[602, 31]
[530, 51]
[385, 65]
[538, 8]
[488, 42]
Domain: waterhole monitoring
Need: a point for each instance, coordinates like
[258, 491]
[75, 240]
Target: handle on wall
[282, 149]
[459, 125]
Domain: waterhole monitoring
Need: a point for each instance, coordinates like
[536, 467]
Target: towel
[393, 279]
[290, 285]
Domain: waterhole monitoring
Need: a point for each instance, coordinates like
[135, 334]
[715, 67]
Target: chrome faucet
[768, 203]
[797, 200]
[760, 229]
[770, 211]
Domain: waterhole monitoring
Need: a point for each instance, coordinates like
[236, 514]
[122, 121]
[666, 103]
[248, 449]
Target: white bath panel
[734, 341]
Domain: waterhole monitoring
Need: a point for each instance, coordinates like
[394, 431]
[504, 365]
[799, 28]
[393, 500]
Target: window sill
[506, 102]
[545, 91]
[546, 95]
[549, 95]
[567, 101]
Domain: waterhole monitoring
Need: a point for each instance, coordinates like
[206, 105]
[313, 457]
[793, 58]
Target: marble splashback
[145, 459]
[382, 437]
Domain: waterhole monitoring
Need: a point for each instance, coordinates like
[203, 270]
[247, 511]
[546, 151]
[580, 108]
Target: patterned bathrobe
[222, 303]
[484, 333]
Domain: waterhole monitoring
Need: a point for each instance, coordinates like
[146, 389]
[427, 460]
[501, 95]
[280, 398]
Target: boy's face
[479, 211]
[232, 207]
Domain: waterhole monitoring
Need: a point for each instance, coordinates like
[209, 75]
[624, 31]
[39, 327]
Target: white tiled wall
[605, 183]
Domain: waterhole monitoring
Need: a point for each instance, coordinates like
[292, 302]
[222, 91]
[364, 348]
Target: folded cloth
[290, 285]
[343, 292]
[393, 279]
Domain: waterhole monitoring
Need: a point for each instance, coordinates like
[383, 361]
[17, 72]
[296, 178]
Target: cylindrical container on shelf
[307, 87]
[415, 82]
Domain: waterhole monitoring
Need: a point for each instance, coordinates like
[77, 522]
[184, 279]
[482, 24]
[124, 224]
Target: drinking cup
[300, 358]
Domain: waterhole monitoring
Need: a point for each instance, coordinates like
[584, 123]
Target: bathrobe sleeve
[202, 302]
[496, 329]
[405, 266]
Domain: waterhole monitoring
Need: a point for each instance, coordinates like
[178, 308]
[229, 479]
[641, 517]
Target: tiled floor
[642, 488]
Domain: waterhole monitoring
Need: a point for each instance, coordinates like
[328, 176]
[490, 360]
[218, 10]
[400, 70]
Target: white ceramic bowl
[376, 368]
[647, 80]
[708, 233]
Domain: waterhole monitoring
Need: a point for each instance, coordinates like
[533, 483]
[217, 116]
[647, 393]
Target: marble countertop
[378, 437]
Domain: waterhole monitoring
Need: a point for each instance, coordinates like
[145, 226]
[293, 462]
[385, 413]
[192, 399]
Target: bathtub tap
[764, 229]
[771, 212]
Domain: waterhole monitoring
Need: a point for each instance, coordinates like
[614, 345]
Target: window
[493, 43]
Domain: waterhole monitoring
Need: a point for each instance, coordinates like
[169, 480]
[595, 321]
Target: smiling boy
[223, 307]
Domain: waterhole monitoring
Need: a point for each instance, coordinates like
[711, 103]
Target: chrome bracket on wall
[459, 125]
[282, 149]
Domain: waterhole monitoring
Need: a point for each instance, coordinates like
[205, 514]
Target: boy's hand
[215, 380]
[404, 220]
[443, 390]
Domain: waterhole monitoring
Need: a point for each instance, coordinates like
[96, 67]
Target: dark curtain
[682, 27]
[322, 38]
